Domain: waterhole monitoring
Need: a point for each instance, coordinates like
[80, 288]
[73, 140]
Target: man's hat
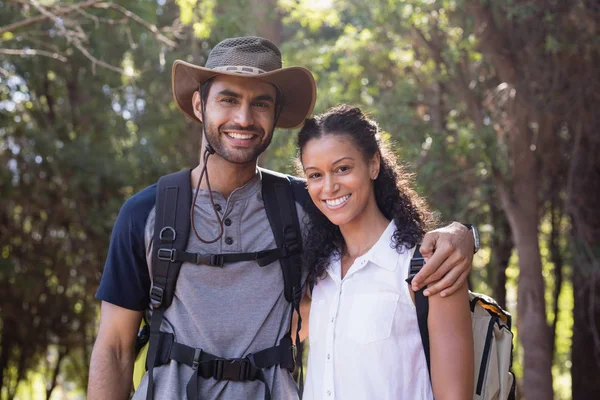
[253, 58]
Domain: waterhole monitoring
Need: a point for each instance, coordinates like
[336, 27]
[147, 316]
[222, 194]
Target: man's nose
[244, 116]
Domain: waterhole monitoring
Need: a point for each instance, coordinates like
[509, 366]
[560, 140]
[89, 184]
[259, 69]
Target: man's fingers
[428, 244]
[435, 268]
[451, 261]
[443, 285]
[462, 279]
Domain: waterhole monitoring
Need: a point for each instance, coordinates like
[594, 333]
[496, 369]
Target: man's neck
[224, 176]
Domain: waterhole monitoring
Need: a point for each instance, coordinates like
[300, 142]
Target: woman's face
[339, 180]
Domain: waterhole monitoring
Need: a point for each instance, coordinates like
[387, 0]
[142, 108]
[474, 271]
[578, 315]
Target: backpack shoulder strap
[280, 206]
[171, 231]
[421, 304]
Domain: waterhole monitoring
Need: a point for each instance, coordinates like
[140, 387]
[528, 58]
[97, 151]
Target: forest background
[492, 104]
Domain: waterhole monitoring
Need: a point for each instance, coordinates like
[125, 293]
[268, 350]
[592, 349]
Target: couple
[359, 231]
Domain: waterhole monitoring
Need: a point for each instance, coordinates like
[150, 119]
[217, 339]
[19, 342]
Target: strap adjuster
[417, 262]
[156, 296]
[196, 360]
[166, 255]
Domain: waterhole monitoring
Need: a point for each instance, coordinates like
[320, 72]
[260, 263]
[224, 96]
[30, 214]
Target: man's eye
[229, 100]
[261, 104]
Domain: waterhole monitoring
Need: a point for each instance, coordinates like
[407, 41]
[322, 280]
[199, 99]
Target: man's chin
[241, 158]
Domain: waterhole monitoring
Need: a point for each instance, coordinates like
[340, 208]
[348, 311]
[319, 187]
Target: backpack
[171, 232]
[492, 339]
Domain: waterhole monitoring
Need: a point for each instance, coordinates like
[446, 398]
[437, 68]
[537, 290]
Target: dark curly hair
[393, 193]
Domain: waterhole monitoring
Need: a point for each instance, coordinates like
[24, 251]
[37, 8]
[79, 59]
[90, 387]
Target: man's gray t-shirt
[229, 311]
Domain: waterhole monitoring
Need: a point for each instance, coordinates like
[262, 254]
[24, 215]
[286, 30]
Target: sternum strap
[206, 365]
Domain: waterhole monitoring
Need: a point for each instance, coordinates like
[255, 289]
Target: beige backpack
[492, 340]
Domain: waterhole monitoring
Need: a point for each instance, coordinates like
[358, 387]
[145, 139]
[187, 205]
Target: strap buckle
[166, 254]
[214, 260]
[231, 369]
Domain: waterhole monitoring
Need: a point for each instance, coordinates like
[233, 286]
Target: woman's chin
[337, 218]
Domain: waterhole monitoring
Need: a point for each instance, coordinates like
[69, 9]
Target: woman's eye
[314, 175]
[343, 168]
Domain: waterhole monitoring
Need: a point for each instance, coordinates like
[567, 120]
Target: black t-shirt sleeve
[125, 281]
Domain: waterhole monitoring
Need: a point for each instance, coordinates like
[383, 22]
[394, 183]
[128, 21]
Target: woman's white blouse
[363, 331]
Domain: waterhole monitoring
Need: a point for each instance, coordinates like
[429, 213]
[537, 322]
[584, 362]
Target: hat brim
[296, 83]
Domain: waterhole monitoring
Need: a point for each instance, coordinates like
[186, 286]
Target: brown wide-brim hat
[253, 58]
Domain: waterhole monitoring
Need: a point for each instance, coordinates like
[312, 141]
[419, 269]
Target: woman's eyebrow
[342, 159]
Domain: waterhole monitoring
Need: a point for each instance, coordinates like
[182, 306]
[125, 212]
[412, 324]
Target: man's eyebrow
[227, 92]
[264, 97]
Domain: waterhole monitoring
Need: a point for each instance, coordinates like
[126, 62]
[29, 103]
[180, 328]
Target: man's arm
[111, 367]
[449, 254]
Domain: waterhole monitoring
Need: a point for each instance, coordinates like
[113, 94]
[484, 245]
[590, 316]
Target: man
[237, 309]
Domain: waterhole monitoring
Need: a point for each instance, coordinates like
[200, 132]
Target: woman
[364, 336]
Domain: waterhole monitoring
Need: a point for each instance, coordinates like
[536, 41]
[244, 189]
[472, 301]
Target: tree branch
[44, 16]
[151, 27]
[33, 52]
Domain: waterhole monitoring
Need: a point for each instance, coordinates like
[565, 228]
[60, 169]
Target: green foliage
[77, 139]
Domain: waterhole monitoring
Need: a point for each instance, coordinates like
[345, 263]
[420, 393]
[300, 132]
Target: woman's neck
[362, 232]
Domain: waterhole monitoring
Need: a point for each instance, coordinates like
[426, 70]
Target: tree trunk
[501, 250]
[582, 204]
[519, 198]
[62, 353]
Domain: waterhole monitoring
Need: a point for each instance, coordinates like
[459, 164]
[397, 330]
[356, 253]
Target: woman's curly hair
[395, 198]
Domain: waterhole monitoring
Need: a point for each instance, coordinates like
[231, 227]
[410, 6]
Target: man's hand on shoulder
[449, 254]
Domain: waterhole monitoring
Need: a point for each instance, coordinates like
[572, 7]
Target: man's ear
[197, 105]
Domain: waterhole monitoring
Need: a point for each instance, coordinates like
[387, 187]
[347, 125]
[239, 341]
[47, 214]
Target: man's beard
[215, 137]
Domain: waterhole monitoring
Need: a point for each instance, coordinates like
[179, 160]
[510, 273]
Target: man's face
[239, 117]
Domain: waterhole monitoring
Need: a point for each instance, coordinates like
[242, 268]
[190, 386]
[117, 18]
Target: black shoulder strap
[421, 304]
[280, 206]
[171, 231]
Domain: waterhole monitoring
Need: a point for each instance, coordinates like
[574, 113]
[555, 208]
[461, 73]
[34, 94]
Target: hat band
[240, 69]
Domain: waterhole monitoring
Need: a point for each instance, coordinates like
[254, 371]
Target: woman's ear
[374, 166]
[197, 105]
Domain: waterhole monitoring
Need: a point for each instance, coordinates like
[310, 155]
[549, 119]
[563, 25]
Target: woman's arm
[451, 345]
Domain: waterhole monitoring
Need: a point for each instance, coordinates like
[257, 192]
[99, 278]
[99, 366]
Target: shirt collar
[382, 254]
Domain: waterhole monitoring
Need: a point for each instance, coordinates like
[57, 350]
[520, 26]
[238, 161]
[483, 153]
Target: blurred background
[493, 105]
